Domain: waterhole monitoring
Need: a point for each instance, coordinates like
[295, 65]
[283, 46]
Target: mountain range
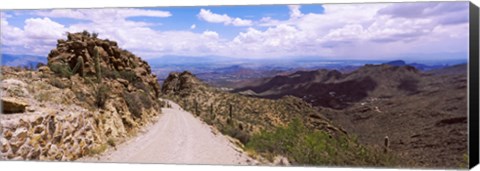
[423, 112]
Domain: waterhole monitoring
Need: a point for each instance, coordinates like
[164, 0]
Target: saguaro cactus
[79, 66]
[97, 64]
[185, 104]
[230, 109]
[386, 144]
[211, 109]
[196, 107]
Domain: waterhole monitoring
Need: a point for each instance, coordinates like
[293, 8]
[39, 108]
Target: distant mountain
[396, 63]
[185, 60]
[419, 66]
[331, 88]
[22, 60]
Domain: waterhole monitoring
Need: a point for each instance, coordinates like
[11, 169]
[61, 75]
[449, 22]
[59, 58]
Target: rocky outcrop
[112, 61]
[13, 105]
[181, 84]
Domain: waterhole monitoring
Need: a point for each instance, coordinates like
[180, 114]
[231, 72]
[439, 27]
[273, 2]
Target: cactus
[386, 143]
[79, 65]
[97, 64]
[196, 107]
[211, 109]
[230, 110]
[185, 104]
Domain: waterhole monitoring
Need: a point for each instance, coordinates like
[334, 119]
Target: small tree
[94, 35]
[86, 33]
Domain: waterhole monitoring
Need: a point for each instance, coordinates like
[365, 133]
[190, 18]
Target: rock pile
[49, 137]
[181, 84]
[102, 57]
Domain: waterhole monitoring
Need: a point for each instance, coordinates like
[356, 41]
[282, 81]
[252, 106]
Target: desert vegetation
[303, 146]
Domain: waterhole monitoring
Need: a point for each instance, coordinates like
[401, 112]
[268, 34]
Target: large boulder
[13, 105]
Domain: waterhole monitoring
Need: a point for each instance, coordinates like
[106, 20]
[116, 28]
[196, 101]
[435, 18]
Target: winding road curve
[178, 138]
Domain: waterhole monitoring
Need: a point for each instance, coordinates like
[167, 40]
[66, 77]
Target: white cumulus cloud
[211, 17]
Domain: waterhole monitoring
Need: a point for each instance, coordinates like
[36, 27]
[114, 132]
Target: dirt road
[178, 138]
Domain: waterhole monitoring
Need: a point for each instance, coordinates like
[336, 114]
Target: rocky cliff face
[91, 95]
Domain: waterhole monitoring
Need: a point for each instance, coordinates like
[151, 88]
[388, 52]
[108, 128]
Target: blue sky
[330, 31]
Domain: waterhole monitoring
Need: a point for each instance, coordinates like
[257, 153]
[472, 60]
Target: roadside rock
[281, 161]
[13, 105]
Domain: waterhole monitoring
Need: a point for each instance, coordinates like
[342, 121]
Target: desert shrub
[97, 149]
[145, 100]
[113, 74]
[128, 75]
[62, 70]
[57, 83]
[111, 142]
[142, 86]
[101, 95]
[86, 33]
[314, 147]
[134, 104]
[94, 35]
[242, 136]
[80, 96]
[136, 101]
[279, 141]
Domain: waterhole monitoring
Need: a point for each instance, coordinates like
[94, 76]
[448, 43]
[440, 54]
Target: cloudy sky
[351, 31]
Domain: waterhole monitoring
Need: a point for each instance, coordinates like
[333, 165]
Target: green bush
[86, 33]
[140, 85]
[145, 100]
[113, 74]
[58, 83]
[314, 147]
[128, 75]
[62, 70]
[94, 35]
[134, 104]
[242, 136]
[111, 142]
[101, 95]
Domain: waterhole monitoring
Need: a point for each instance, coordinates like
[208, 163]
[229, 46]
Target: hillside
[91, 95]
[423, 113]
